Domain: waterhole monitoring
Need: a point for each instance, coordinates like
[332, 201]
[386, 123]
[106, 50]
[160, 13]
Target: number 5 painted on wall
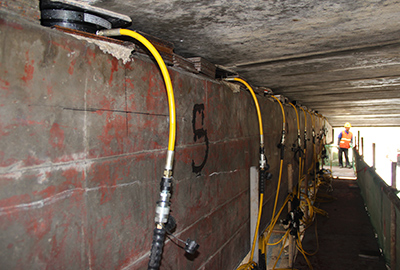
[198, 110]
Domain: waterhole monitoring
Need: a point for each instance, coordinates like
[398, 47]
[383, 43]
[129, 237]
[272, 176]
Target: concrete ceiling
[338, 57]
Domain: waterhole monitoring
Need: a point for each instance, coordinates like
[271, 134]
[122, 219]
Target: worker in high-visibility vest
[345, 140]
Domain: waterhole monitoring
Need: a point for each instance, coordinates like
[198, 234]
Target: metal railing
[384, 209]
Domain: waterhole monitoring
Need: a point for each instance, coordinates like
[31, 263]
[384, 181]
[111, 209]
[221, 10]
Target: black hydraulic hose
[161, 218]
[262, 179]
[282, 147]
[156, 249]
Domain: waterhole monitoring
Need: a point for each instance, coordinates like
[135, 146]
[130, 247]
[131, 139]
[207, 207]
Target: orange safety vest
[345, 140]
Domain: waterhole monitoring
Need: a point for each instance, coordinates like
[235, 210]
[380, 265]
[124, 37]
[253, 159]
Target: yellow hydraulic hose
[256, 231]
[312, 120]
[299, 143]
[255, 101]
[321, 131]
[313, 134]
[274, 217]
[305, 141]
[311, 207]
[164, 71]
[319, 120]
[298, 193]
[283, 246]
[304, 255]
[167, 81]
[297, 115]
[305, 128]
[163, 205]
[283, 111]
[274, 220]
[252, 264]
[305, 118]
[279, 241]
[281, 163]
[278, 188]
[263, 160]
[314, 154]
[261, 130]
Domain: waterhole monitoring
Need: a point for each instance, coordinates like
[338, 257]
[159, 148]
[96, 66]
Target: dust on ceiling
[337, 57]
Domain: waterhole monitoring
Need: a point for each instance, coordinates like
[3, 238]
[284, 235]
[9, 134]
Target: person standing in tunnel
[345, 139]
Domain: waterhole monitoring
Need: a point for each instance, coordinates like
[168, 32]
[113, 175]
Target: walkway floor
[343, 173]
[346, 238]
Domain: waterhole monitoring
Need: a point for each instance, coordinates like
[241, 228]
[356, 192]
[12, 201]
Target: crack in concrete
[109, 110]
[222, 172]
[57, 197]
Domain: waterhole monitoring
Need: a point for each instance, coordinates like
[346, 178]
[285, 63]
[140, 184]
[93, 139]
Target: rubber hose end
[156, 249]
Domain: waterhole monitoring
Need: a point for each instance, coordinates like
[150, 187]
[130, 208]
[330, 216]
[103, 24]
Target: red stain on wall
[130, 94]
[72, 179]
[3, 129]
[129, 84]
[61, 46]
[114, 134]
[90, 54]
[38, 227]
[4, 85]
[32, 160]
[104, 177]
[11, 24]
[50, 91]
[126, 219]
[104, 221]
[56, 137]
[23, 122]
[114, 68]
[106, 104]
[14, 200]
[29, 69]
[131, 100]
[5, 160]
[58, 247]
[71, 66]
[156, 92]
[180, 83]
[48, 192]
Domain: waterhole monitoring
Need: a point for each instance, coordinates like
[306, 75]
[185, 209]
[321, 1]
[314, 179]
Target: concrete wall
[83, 140]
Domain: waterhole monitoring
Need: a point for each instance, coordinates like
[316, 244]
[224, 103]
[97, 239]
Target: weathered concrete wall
[28, 9]
[83, 140]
